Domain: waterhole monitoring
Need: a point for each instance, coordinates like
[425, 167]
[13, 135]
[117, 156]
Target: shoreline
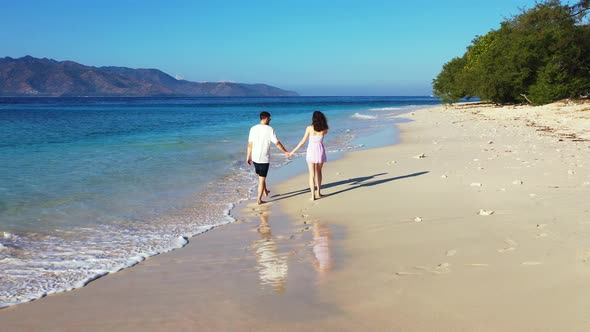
[121, 240]
[406, 244]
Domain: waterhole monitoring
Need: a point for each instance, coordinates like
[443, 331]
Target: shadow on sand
[351, 184]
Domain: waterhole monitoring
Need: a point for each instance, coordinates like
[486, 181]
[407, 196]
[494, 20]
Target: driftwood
[525, 97]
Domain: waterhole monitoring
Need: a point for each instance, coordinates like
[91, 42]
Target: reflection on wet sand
[321, 249]
[272, 267]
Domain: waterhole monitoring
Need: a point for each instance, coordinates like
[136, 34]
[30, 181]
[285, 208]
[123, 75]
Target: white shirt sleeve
[251, 135]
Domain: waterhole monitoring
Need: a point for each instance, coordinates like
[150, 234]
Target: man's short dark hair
[264, 115]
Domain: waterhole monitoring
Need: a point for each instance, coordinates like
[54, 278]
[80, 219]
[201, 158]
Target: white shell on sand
[476, 184]
[517, 182]
[420, 156]
[417, 219]
[485, 212]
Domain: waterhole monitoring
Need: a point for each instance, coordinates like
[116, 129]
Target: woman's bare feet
[266, 192]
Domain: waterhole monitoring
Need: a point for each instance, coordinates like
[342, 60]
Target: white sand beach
[477, 221]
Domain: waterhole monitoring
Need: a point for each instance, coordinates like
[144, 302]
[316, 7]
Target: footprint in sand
[451, 252]
[304, 229]
[531, 263]
[511, 246]
[584, 255]
[404, 273]
[506, 249]
[441, 268]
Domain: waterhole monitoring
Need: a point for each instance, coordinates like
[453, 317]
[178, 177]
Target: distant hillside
[29, 76]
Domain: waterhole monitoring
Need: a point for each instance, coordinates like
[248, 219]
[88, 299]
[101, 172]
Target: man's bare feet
[266, 192]
[261, 202]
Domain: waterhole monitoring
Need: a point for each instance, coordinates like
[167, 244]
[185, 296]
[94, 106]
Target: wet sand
[477, 221]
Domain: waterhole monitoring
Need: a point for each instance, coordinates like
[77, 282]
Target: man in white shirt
[261, 135]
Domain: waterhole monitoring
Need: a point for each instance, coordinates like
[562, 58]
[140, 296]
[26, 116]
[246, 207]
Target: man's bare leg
[261, 189]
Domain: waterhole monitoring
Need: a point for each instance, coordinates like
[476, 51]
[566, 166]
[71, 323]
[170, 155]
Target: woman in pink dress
[316, 154]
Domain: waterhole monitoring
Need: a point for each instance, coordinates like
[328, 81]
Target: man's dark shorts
[261, 169]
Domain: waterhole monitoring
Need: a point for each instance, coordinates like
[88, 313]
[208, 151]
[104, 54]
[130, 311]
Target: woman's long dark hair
[319, 121]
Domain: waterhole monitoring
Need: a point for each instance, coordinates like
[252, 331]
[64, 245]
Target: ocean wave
[36, 265]
[385, 109]
[363, 116]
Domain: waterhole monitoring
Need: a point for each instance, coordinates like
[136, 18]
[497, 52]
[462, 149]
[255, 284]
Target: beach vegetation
[538, 56]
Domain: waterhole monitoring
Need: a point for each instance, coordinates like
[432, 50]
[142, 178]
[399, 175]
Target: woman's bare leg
[319, 177]
[311, 167]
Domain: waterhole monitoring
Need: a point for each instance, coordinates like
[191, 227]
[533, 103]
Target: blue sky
[313, 47]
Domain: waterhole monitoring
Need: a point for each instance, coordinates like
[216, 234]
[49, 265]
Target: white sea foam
[35, 265]
[386, 109]
[363, 116]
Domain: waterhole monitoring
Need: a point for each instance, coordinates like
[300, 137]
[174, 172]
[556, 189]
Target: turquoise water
[89, 186]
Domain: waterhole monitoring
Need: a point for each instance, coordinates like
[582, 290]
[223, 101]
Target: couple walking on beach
[262, 135]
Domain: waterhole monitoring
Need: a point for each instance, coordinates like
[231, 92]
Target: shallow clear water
[92, 185]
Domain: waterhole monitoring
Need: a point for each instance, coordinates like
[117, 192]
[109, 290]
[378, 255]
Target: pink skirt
[315, 153]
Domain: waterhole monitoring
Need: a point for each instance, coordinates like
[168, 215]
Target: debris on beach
[476, 184]
[417, 219]
[420, 156]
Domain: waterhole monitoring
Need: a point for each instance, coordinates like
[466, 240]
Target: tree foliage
[540, 55]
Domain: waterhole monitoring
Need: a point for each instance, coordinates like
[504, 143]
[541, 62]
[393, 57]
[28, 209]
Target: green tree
[540, 55]
[449, 85]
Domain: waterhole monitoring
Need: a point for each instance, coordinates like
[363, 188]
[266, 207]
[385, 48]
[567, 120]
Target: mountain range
[30, 76]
